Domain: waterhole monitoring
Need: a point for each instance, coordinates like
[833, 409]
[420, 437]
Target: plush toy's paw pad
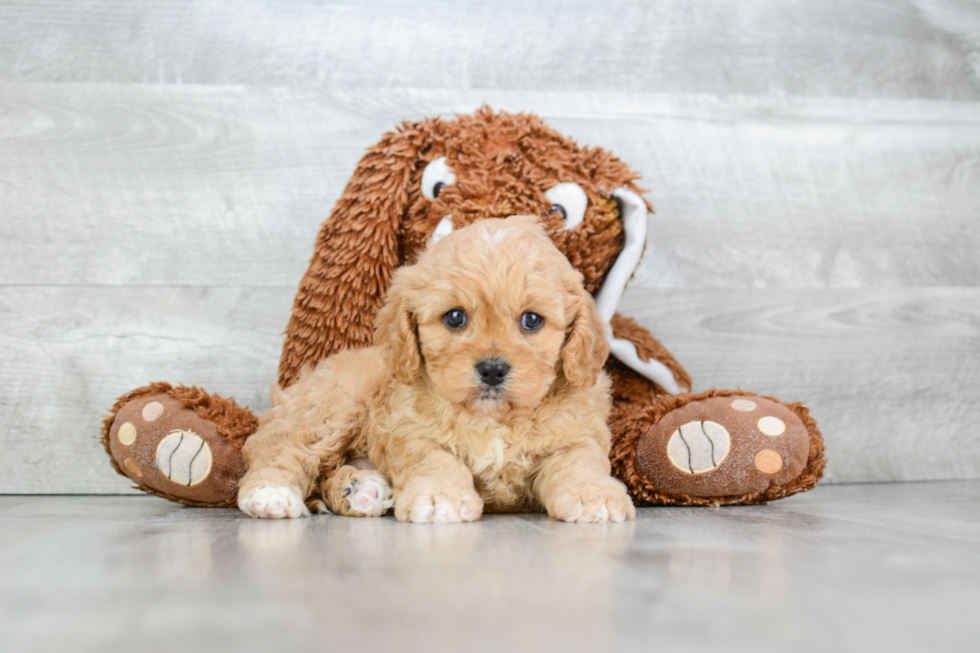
[724, 446]
[360, 492]
[164, 446]
[593, 501]
[273, 502]
[438, 505]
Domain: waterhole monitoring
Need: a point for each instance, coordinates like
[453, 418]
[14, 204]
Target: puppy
[484, 392]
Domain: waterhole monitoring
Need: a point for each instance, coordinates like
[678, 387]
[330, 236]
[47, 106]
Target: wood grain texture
[164, 168]
[75, 349]
[114, 183]
[878, 48]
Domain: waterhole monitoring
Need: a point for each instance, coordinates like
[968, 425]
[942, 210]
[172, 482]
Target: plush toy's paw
[174, 442]
[595, 501]
[273, 502]
[359, 492]
[425, 503]
[724, 447]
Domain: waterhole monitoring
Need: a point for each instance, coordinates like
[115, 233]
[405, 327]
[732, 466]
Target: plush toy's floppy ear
[355, 256]
[396, 333]
[586, 348]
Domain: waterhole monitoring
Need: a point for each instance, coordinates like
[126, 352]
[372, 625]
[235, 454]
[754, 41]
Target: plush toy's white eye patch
[570, 199]
[435, 177]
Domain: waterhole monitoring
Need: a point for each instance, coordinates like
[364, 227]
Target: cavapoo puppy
[484, 392]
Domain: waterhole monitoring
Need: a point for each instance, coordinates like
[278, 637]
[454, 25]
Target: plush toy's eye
[436, 177]
[569, 199]
[531, 321]
[455, 319]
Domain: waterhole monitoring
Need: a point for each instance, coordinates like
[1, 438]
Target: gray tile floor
[843, 568]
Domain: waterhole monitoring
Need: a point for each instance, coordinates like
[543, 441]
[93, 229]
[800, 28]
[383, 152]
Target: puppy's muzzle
[492, 371]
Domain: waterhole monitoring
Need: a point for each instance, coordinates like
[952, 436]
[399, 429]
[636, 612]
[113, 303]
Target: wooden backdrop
[164, 167]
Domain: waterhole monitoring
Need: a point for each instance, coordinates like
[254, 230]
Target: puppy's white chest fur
[501, 467]
[487, 458]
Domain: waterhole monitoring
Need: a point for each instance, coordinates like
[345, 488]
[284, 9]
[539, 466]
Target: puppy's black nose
[492, 371]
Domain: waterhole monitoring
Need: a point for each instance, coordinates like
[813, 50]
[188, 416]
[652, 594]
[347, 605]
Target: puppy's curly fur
[454, 440]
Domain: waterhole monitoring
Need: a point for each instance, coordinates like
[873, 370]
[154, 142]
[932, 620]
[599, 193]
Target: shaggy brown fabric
[504, 163]
[234, 422]
[631, 424]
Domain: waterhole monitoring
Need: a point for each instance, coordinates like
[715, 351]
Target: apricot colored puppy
[484, 392]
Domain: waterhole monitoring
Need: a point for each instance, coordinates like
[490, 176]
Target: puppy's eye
[571, 201]
[531, 321]
[436, 177]
[455, 319]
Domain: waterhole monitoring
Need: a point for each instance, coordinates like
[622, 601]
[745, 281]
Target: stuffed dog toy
[419, 183]
[485, 391]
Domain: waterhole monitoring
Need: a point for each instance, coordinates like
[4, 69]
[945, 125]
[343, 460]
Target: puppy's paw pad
[273, 502]
[368, 496]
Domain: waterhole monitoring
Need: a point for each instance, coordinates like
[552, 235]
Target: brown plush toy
[419, 183]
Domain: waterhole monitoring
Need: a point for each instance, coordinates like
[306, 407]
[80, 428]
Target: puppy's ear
[355, 256]
[395, 334]
[586, 348]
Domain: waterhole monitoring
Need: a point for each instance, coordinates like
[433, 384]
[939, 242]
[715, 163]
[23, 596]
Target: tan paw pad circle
[743, 405]
[184, 458]
[698, 447]
[127, 434]
[131, 467]
[152, 411]
[772, 426]
[768, 461]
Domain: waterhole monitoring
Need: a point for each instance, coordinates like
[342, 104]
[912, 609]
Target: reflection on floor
[860, 567]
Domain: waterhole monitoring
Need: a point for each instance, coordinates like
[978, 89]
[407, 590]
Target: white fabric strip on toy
[634, 213]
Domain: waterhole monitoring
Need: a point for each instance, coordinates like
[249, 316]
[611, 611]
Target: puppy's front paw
[599, 500]
[438, 505]
[273, 502]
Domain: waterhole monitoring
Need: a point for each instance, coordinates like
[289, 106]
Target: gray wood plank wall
[164, 167]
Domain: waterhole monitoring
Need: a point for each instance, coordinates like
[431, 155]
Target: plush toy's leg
[719, 447]
[179, 443]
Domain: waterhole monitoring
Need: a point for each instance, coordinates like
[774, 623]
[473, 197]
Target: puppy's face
[491, 317]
